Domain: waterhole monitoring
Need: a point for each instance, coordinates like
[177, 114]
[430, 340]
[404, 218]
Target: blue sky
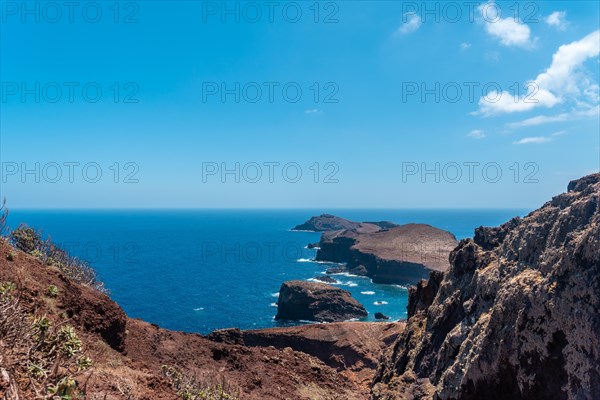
[374, 127]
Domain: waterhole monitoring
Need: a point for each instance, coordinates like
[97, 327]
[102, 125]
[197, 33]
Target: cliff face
[399, 255]
[516, 315]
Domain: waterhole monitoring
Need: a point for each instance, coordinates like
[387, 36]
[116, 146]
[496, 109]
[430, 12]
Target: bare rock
[402, 254]
[515, 316]
[311, 301]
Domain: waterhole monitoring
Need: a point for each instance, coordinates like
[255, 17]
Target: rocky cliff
[515, 316]
[398, 255]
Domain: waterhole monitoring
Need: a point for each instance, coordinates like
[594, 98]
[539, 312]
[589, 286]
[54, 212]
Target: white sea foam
[199, 309]
[349, 275]
[273, 304]
[310, 260]
[368, 292]
[380, 303]
[275, 294]
[405, 287]
[320, 281]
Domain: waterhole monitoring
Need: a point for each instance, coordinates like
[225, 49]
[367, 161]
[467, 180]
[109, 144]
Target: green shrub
[52, 291]
[30, 241]
[26, 239]
[207, 386]
[6, 289]
[38, 354]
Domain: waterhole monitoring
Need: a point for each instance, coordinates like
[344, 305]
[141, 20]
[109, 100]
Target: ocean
[201, 270]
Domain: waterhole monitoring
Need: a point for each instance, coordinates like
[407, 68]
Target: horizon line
[322, 209]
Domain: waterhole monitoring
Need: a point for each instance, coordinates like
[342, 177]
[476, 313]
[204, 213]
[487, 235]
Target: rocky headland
[401, 254]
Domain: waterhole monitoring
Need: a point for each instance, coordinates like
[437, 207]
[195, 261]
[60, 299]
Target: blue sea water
[201, 270]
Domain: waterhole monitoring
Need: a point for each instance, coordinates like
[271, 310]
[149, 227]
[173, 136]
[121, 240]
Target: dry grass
[37, 356]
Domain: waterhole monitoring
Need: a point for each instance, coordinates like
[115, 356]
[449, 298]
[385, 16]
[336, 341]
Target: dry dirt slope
[128, 355]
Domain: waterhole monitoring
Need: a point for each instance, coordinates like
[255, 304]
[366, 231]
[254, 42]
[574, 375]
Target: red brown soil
[128, 354]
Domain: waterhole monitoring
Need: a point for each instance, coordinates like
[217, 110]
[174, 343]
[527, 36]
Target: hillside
[131, 359]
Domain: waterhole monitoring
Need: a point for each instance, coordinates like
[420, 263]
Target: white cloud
[558, 20]
[411, 23]
[476, 134]
[540, 139]
[509, 31]
[465, 46]
[562, 80]
[313, 111]
[534, 140]
[546, 119]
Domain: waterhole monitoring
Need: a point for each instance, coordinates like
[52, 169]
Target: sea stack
[313, 301]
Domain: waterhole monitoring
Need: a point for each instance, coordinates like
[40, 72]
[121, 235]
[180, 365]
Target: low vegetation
[31, 242]
[36, 354]
[206, 386]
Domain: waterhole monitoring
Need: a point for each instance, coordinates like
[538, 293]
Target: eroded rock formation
[400, 255]
[516, 315]
[313, 301]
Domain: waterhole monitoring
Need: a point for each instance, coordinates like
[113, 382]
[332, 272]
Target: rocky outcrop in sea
[313, 301]
[402, 254]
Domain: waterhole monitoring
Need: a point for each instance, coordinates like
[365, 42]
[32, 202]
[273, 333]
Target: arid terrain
[514, 317]
[131, 358]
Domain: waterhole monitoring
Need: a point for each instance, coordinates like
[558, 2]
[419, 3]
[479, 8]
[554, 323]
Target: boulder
[379, 315]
